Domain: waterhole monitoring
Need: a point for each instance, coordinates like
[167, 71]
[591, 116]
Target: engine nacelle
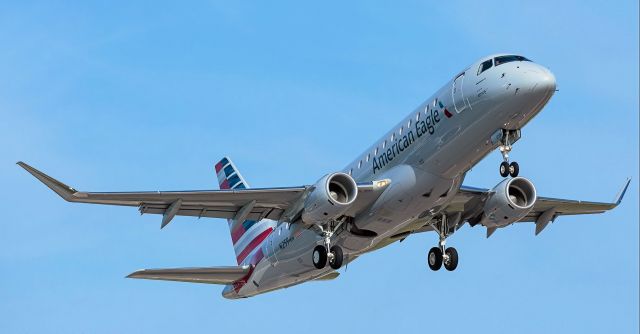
[512, 199]
[331, 197]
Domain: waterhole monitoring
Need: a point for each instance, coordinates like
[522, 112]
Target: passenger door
[457, 93]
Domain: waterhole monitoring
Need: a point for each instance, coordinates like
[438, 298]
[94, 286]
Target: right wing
[209, 275]
[252, 204]
[469, 202]
[561, 207]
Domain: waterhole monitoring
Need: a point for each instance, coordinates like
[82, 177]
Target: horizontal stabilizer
[208, 275]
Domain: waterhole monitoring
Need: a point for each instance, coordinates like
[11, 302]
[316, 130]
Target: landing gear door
[457, 93]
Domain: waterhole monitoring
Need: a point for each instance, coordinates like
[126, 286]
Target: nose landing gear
[507, 168]
[437, 258]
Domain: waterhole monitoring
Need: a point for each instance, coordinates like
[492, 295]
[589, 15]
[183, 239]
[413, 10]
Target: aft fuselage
[425, 156]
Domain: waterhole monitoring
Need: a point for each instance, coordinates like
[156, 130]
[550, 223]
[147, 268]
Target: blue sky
[147, 96]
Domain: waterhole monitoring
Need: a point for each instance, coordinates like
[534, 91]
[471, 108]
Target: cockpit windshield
[485, 66]
[507, 59]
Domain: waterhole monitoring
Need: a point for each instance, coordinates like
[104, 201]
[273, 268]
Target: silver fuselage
[425, 156]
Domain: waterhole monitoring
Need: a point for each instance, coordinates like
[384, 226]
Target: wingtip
[60, 188]
[622, 192]
[23, 165]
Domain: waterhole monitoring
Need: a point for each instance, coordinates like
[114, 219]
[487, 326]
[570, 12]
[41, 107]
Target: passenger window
[359, 164]
[376, 151]
[368, 157]
[485, 66]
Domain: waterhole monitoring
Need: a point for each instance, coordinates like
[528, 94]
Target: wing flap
[207, 275]
[212, 211]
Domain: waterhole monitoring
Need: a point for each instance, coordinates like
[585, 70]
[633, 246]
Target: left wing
[251, 204]
[269, 203]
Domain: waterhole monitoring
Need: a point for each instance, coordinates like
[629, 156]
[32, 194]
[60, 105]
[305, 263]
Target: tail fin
[246, 235]
[228, 175]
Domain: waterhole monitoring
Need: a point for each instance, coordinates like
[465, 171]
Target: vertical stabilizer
[246, 235]
[228, 175]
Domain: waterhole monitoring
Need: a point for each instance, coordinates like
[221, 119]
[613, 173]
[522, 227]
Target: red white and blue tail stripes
[247, 236]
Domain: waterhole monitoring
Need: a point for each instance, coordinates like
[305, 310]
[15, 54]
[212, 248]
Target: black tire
[504, 169]
[319, 257]
[514, 169]
[338, 257]
[452, 263]
[434, 259]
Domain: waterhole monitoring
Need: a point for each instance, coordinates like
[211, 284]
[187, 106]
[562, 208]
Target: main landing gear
[507, 168]
[326, 253]
[441, 255]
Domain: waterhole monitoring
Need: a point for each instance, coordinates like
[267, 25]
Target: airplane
[407, 182]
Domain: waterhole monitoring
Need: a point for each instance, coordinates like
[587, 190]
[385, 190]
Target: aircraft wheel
[514, 169]
[452, 259]
[435, 258]
[504, 169]
[338, 257]
[319, 256]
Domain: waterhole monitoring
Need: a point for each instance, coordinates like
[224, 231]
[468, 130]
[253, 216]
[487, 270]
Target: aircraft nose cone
[543, 82]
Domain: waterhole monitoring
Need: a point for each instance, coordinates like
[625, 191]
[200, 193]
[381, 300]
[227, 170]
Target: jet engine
[510, 201]
[330, 198]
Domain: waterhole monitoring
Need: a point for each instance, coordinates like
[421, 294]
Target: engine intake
[331, 197]
[512, 200]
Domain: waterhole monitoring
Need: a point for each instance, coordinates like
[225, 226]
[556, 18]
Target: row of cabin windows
[393, 136]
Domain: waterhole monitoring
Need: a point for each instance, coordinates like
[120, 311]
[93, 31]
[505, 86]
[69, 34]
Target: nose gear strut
[508, 138]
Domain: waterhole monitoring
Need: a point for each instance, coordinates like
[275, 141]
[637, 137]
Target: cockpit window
[485, 66]
[506, 59]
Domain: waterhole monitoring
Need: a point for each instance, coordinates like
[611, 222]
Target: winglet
[60, 188]
[618, 199]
